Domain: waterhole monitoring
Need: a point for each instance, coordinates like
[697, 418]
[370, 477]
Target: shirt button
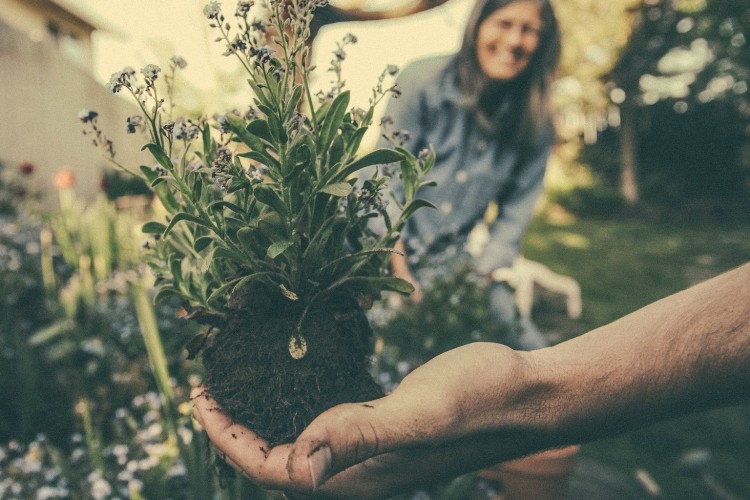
[446, 207]
[461, 176]
[481, 146]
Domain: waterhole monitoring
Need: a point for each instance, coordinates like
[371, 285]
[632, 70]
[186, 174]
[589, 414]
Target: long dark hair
[516, 111]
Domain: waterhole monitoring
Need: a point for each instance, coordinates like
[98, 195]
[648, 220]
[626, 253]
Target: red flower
[64, 178]
[26, 168]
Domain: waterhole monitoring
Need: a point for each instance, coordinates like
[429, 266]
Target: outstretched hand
[430, 428]
[483, 403]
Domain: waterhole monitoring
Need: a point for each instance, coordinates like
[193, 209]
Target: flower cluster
[270, 196]
[140, 462]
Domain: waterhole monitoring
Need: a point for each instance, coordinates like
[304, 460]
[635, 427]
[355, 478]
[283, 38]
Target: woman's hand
[434, 426]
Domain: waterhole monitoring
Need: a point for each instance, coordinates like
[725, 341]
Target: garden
[96, 384]
[111, 307]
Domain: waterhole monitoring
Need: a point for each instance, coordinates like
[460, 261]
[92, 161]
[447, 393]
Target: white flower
[100, 488]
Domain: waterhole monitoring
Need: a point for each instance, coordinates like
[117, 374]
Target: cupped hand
[441, 421]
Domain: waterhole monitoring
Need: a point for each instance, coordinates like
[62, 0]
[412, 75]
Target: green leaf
[153, 227]
[259, 277]
[278, 248]
[336, 151]
[264, 158]
[414, 206]
[220, 292]
[237, 125]
[175, 268]
[339, 189]
[355, 141]
[260, 94]
[266, 195]
[184, 216]
[159, 155]
[277, 130]
[47, 333]
[272, 226]
[164, 293]
[261, 129]
[382, 283]
[377, 157]
[197, 188]
[165, 195]
[409, 179]
[245, 236]
[203, 242]
[333, 120]
[221, 204]
[226, 253]
[293, 101]
[207, 261]
[206, 136]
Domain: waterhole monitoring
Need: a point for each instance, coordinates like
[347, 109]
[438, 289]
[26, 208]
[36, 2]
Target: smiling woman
[485, 111]
[508, 38]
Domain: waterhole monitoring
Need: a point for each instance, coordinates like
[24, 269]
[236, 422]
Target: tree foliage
[681, 84]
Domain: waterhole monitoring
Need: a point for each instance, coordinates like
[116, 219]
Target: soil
[256, 382]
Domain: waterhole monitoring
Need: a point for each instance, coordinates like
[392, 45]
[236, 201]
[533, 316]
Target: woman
[486, 112]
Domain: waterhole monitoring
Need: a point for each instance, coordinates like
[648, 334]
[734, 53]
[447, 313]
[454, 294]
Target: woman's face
[508, 38]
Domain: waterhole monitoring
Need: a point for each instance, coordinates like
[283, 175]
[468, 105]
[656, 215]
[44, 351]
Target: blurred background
[648, 192]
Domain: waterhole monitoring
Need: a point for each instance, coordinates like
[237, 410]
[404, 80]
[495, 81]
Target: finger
[239, 446]
[352, 433]
[431, 406]
[389, 474]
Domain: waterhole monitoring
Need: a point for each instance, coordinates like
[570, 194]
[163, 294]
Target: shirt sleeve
[516, 212]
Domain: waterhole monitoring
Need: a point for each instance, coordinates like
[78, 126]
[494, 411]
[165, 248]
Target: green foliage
[269, 197]
[453, 312]
[623, 265]
[593, 201]
[16, 188]
[682, 78]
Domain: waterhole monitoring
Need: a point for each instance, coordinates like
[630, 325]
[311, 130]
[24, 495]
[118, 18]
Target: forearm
[483, 403]
[687, 352]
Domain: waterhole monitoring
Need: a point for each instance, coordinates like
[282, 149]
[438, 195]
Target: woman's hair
[517, 110]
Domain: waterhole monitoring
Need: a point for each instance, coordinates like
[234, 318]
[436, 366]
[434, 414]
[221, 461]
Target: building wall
[41, 94]
[43, 19]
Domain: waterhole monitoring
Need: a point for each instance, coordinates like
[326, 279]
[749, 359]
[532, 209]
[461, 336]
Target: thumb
[340, 437]
[351, 433]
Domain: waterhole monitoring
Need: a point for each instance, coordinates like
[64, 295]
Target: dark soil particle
[256, 382]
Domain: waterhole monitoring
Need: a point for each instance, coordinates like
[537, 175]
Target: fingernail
[319, 462]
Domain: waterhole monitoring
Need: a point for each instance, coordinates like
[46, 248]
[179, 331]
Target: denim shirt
[471, 170]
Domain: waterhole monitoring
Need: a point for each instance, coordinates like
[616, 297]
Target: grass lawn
[624, 265]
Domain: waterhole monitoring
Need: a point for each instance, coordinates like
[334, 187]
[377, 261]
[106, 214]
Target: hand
[434, 426]
[239, 447]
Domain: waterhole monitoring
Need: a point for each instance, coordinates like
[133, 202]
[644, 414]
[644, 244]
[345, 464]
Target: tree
[685, 65]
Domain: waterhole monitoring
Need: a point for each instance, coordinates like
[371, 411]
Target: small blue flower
[212, 10]
[150, 72]
[87, 115]
[243, 7]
